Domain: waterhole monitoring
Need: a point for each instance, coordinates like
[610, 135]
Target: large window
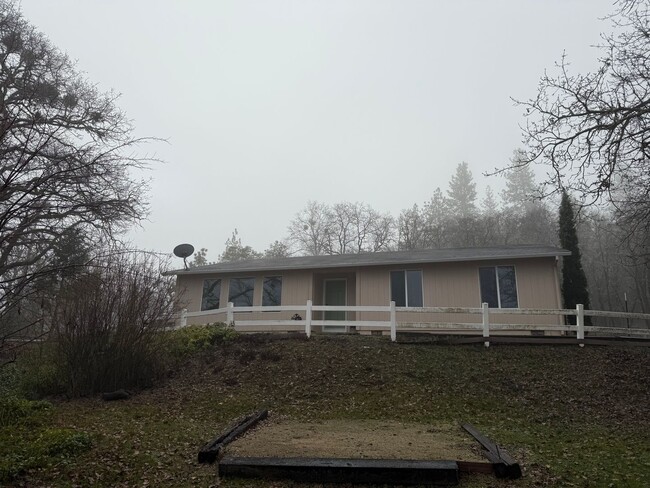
[272, 291]
[211, 293]
[499, 286]
[406, 288]
[240, 292]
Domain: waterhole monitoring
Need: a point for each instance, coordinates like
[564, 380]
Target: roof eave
[199, 271]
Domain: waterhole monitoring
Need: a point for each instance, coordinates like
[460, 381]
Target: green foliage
[62, 442]
[27, 443]
[587, 433]
[462, 192]
[574, 281]
[182, 343]
[200, 258]
[236, 251]
[15, 410]
[34, 374]
[50, 447]
[9, 379]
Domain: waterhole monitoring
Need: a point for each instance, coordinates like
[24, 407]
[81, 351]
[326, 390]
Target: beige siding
[457, 285]
[351, 288]
[444, 285]
[296, 290]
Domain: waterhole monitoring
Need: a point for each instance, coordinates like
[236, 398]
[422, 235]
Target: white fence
[392, 326]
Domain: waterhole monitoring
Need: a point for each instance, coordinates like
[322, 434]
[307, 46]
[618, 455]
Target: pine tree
[462, 192]
[436, 218]
[574, 281]
[520, 191]
[489, 205]
[236, 251]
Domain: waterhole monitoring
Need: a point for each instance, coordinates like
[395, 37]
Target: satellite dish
[184, 251]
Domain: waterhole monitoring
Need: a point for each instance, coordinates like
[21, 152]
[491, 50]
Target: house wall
[457, 285]
[296, 290]
[349, 275]
[444, 285]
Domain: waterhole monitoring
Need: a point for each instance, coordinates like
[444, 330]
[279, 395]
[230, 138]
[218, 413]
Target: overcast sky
[268, 104]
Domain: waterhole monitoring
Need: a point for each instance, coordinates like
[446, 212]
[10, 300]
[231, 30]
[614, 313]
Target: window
[406, 288]
[240, 292]
[211, 293]
[272, 291]
[498, 286]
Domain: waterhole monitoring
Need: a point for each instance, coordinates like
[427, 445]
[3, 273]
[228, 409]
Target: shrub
[62, 442]
[49, 447]
[25, 443]
[108, 323]
[37, 372]
[181, 343]
[9, 379]
[14, 410]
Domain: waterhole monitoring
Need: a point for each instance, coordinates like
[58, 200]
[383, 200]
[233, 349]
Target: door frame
[335, 328]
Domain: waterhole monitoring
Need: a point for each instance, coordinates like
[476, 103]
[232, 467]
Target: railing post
[580, 309]
[183, 318]
[308, 319]
[230, 315]
[486, 324]
[393, 322]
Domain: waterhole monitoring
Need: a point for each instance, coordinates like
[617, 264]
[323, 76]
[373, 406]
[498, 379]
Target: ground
[371, 439]
[572, 416]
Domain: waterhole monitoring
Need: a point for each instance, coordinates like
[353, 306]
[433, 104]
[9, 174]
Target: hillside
[573, 417]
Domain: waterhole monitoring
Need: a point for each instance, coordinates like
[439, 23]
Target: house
[503, 276]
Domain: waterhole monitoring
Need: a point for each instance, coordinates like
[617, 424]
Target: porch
[489, 321]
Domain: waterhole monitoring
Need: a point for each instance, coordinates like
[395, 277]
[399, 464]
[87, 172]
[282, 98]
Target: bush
[9, 380]
[14, 410]
[37, 372]
[62, 442]
[25, 442]
[182, 343]
[108, 323]
[51, 446]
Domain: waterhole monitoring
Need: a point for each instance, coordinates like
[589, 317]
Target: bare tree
[357, 227]
[309, 230]
[342, 228]
[412, 229]
[593, 129]
[66, 155]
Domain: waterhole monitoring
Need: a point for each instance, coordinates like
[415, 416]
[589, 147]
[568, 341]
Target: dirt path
[357, 439]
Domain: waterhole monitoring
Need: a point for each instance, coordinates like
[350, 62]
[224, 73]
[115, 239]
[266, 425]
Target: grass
[573, 417]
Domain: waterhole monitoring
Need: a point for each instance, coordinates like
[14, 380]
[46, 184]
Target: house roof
[378, 259]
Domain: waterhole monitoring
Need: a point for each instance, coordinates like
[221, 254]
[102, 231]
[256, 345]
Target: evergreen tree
[436, 221]
[574, 281]
[277, 249]
[462, 192]
[235, 251]
[519, 195]
[200, 259]
[411, 229]
[489, 205]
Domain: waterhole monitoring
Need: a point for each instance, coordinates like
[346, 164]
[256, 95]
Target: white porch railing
[227, 314]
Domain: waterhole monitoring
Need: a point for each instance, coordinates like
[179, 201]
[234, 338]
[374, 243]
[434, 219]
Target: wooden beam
[212, 450]
[475, 467]
[332, 470]
[505, 466]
